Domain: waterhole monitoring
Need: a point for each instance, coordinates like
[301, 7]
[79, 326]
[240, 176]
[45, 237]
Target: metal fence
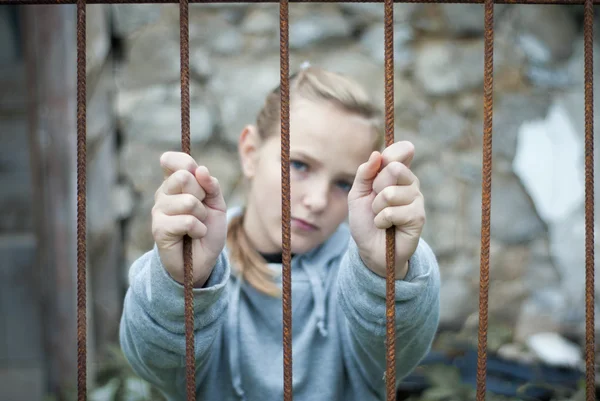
[285, 181]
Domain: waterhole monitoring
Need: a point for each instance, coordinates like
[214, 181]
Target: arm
[361, 294]
[152, 331]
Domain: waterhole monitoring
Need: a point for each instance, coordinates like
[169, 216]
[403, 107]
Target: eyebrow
[349, 176]
[307, 157]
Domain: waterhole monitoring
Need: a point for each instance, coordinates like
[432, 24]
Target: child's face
[327, 145]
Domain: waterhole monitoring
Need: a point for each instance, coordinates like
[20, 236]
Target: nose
[316, 196]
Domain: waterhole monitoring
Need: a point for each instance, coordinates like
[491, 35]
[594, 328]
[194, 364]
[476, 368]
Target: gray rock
[102, 174]
[127, 18]
[440, 186]
[313, 27]
[228, 42]
[549, 77]
[443, 127]
[367, 13]
[541, 273]
[241, 85]
[373, 43]
[516, 352]
[139, 164]
[545, 34]
[567, 241]
[505, 299]
[138, 231]
[468, 167]
[464, 19]
[123, 201]
[508, 263]
[262, 21]
[511, 111]
[152, 57]
[553, 349]
[548, 162]
[100, 119]
[566, 75]
[457, 301]
[201, 64]
[513, 217]
[443, 233]
[155, 116]
[447, 67]
[216, 29]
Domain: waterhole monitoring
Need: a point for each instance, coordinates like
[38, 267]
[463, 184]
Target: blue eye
[345, 186]
[297, 165]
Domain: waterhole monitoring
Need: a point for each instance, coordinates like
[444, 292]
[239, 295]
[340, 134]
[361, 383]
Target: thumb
[365, 175]
[214, 197]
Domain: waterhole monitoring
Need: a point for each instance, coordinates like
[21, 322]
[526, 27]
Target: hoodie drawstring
[234, 340]
[319, 294]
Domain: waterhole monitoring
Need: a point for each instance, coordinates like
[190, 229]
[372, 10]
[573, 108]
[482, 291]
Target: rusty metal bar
[390, 234]
[286, 216]
[81, 205]
[554, 2]
[486, 195]
[188, 279]
[588, 23]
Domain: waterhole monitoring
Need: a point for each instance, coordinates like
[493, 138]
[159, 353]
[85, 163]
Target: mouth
[303, 224]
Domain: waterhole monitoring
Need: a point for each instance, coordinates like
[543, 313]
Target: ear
[248, 145]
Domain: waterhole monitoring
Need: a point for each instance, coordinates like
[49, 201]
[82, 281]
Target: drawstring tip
[322, 329]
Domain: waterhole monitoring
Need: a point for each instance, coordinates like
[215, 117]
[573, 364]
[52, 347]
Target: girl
[338, 268]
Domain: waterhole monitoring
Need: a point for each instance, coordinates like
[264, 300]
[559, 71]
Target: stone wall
[537, 227]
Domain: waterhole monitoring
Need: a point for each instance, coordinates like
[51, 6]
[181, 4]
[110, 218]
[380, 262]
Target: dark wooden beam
[50, 50]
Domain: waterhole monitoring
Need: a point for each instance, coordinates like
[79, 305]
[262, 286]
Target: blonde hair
[310, 83]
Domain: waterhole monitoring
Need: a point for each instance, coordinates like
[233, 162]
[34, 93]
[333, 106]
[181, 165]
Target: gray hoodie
[338, 327]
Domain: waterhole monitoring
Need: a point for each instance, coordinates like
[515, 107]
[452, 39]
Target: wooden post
[50, 50]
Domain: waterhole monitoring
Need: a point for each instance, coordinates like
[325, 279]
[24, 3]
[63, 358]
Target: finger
[174, 227]
[183, 182]
[365, 174]
[395, 196]
[393, 174]
[214, 197]
[171, 162]
[407, 215]
[173, 205]
[403, 152]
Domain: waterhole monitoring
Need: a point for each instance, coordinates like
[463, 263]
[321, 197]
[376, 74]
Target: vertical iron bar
[81, 204]
[390, 305]
[588, 23]
[187, 241]
[486, 192]
[285, 199]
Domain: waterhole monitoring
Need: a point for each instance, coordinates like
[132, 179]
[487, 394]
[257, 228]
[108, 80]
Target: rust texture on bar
[188, 279]
[285, 200]
[390, 243]
[588, 23]
[81, 204]
[486, 195]
[555, 2]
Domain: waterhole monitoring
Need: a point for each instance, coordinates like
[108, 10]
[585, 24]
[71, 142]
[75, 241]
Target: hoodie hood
[315, 265]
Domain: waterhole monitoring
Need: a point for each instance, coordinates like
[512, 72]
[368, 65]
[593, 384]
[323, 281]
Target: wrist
[380, 269]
